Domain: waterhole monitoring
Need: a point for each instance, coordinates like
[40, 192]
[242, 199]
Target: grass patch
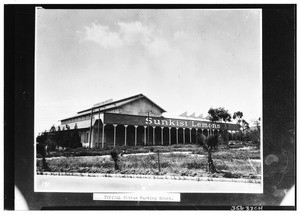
[128, 150]
[230, 163]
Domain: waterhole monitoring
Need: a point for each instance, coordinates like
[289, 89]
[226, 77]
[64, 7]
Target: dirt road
[49, 183]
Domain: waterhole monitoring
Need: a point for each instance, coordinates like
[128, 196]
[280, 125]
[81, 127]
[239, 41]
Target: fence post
[158, 161]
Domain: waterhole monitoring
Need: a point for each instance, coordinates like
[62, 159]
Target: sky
[183, 60]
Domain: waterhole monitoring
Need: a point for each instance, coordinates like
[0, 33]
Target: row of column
[145, 134]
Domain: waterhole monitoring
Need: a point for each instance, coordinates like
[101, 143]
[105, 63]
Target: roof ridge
[113, 102]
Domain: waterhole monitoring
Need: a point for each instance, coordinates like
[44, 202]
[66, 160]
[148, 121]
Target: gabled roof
[113, 105]
[119, 103]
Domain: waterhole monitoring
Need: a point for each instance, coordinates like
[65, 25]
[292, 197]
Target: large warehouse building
[137, 120]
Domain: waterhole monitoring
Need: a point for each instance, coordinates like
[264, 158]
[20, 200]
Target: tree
[220, 114]
[41, 149]
[66, 139]
[41, 138]
[52, 129]
[209, 144]
[254, 135]
[58, 137]
[75, 139]
[212, 141]
[214, 114]
[257, 123]
[225, 116]
[245, 126]
[115, 156]
[238, 116]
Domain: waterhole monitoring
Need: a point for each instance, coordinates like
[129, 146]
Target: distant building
[137, 120]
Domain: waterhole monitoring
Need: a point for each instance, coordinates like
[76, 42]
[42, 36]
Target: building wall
[120, 136]
[138, 107]
[141, 107]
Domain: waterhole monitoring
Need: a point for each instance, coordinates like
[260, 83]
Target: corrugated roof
[80, 124]
[191, 118]
[77, 115]
[112, 105]
[172, 116]
[119, 103]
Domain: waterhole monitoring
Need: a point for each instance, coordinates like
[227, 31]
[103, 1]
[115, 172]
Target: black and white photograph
[131, 100]
[150, 107]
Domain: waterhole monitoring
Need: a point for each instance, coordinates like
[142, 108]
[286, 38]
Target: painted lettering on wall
[180, 123]
[123, 119]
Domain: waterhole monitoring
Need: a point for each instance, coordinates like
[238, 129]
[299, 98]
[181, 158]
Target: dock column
[145, 135]
[153, 132]
[170, 135]
[125, 141]
[115, 133]
[135, 135]
[176, 135]
[162, 135]
[103, 135]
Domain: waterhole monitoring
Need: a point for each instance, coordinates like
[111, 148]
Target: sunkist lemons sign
[180, 123]
[112, 118]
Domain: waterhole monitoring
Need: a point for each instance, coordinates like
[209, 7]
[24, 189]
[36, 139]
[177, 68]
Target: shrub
[201, 139]
[232, 175]
[254, 136]
[212, 141]
[194, 165]
[115, 156]
[222, 166]
[152, 157]
[164, 164]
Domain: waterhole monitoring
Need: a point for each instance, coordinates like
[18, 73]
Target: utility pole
[90, 140]
[148, 141]
[98, 128]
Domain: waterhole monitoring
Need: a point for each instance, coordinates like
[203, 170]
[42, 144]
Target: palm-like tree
[210, 143]
[238, 116]
[116, 158]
